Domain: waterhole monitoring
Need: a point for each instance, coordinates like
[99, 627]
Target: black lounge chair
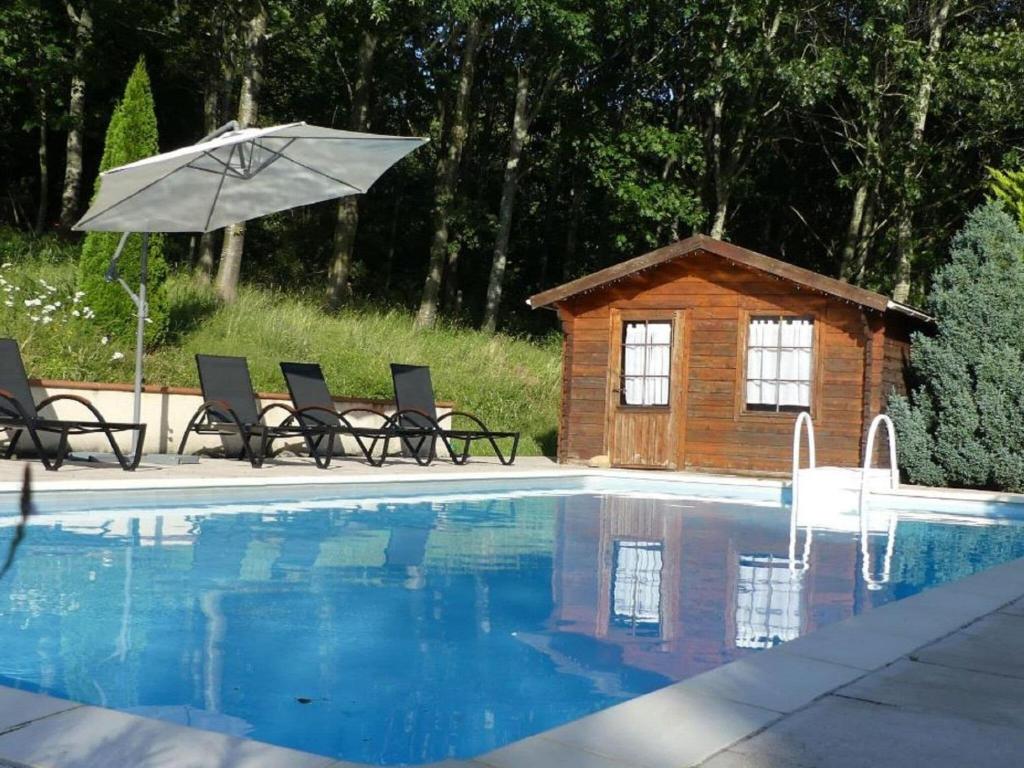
[19, 414]
[315, 408]
[416, 411]
[229, 408]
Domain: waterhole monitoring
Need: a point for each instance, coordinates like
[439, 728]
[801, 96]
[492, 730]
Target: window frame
[620, 386]
[743, 410]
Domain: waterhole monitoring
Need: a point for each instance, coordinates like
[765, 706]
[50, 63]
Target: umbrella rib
[139, 191]
[321, 173]
[220, 185]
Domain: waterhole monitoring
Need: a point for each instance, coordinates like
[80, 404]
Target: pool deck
[936, 679]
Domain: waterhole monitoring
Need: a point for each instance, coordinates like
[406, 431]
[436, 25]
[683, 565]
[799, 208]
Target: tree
[963, 423]
[1008, 186]
[131, 135]
[347, 222]
[230, 267]
[81, 19]
[447, 173]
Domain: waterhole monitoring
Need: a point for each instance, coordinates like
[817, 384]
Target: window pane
[636, 333]
[659, 333]
[633, 390]
[633, 361]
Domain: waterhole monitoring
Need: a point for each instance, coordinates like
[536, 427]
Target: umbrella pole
[140, 332]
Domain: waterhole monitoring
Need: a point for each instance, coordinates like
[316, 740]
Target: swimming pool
[408, 624]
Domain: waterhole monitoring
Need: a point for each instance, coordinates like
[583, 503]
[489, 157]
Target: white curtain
[645, 363]
[779, 361]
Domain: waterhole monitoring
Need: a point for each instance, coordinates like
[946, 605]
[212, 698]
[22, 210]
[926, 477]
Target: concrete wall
[167, 410]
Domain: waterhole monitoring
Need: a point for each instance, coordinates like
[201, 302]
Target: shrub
[963, 423]
[131, 135]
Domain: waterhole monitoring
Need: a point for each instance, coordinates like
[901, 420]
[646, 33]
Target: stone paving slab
[1015, 608]
[91, 737]
[19, 707]
[994, 645]
[845, 733]
[979, 696]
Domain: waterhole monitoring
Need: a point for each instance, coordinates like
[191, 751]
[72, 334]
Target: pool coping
[682, 724]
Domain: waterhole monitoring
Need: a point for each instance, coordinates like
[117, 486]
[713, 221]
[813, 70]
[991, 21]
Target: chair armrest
[483, 427]
[74, 398]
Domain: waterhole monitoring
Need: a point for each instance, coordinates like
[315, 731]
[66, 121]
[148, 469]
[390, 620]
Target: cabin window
[779, 351]
[646, 360]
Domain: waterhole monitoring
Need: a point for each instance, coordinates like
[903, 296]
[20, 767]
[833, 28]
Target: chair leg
[140, 439]
[12, 444]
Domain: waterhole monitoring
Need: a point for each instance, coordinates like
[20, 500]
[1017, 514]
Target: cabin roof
[803, 277]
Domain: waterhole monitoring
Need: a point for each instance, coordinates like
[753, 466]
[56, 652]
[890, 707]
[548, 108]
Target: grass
[511, 383]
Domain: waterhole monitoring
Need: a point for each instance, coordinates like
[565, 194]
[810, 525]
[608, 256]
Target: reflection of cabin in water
[698, 354]
[646, 581]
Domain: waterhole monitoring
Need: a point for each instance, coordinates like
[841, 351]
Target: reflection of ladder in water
[828, 497]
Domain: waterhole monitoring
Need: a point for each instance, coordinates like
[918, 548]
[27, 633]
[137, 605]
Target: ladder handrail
[803, 418]
[894, 483]
[894, 471]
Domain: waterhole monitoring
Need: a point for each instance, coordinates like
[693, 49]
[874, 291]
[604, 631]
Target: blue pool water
[410, 631]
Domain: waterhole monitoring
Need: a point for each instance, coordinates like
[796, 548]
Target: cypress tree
[131, 136]
[963, 423]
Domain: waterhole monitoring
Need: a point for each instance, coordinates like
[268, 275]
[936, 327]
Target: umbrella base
[147, 458]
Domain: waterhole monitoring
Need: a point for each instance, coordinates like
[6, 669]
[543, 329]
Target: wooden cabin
[699, 355]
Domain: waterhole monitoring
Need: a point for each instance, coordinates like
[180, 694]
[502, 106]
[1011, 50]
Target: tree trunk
[572, 229]
[44, 168]
[207, 241]
[851, 242]
[446, 176]
[937, 17]
[248, 110]
[76, 112]
[509, 187]
[347, 221]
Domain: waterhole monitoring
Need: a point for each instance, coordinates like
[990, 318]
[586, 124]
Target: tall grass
[511, 383]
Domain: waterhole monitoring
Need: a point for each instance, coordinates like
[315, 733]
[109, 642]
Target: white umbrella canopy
[240, 175]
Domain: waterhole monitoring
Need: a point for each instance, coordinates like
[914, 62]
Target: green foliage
[54, 322]
[1008, 186]
[963, 423]
[131, 136]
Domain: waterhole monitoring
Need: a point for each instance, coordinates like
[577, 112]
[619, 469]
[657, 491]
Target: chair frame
[33, 425]
[435, 427]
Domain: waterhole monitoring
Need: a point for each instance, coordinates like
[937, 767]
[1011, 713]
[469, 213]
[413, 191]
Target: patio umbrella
[230, 176]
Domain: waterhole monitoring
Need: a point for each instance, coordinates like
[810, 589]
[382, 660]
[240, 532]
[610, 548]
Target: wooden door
[646, 388]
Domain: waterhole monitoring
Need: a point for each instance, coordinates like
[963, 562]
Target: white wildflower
[34, 318]
[33, 302]
[5, 265]
[47, 320]
[8, 303]
[48, 308]
[105, 340]
[75, 313]
[117, 356]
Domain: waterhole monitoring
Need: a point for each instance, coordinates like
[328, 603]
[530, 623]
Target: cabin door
[645, 399]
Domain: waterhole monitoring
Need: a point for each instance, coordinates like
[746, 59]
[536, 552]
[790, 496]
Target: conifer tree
[131, 136]
[963, 423]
